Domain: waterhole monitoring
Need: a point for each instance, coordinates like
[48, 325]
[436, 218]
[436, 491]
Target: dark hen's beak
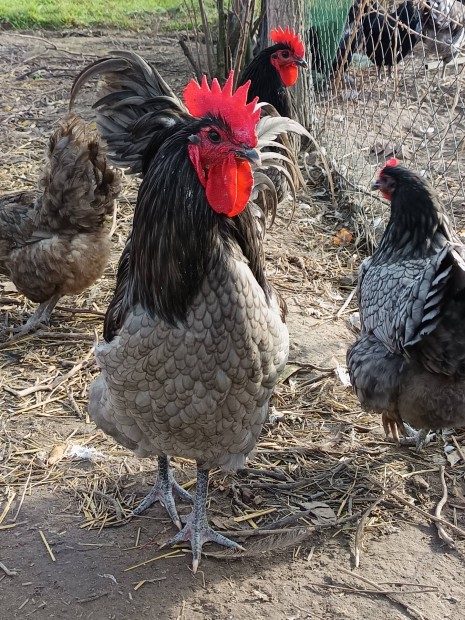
[301, 62]
[376, 185]
[250, 155]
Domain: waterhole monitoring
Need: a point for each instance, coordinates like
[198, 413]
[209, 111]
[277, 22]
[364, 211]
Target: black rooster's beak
[301, 62]
[376, 185]
[250, 155]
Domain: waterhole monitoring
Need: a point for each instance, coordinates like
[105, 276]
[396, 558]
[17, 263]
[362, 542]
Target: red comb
[392, 162]
[289, 38]
[241, 116]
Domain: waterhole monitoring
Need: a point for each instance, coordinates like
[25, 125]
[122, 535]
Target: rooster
[275, 69]
[389, 37]
[56, 243]
[409, 361]
[444, 29]
[194, 336]
[271, 73]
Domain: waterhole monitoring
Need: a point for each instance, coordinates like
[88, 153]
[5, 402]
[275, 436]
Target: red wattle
[288, 74]
[229, 186]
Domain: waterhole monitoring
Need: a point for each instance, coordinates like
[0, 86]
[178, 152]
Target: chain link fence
[382, 90]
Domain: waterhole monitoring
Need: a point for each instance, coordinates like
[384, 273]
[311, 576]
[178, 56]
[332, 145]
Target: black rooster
[271, 73]
[275, 69]
[409, 361]
[388, 36]
[194, 335]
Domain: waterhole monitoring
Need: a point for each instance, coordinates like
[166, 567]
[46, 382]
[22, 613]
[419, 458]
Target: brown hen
[56, 243]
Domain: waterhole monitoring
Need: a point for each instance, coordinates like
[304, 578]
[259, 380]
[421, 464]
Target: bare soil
[80, 505]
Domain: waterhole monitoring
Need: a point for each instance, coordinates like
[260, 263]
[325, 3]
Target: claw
[162, 491]
[196, 530]
[420, 439]
[393, 424]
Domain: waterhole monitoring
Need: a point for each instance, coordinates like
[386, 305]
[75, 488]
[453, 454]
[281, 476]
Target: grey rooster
[55, 242]
[444, 28]
[194, 335]
[409, 361]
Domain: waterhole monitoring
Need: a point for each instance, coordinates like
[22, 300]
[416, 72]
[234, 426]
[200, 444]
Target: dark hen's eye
[285, 54]
[214, 136]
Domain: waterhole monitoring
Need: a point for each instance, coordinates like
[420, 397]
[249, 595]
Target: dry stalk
[413, 611]
[443, 535]
[246, 25]
[422, 512]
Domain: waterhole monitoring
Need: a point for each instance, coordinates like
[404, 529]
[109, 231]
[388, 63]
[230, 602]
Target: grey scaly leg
[196, 530]
[420, 439]
[162, 491]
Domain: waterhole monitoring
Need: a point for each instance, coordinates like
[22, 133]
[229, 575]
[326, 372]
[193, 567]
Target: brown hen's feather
[409, 362]
[56, 243]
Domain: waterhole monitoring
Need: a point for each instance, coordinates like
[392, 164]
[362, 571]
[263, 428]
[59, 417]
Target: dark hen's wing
[439, 341]
[131, 96]
[413, 307]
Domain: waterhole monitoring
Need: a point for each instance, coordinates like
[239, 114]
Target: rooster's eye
[214, 136]
[285, 54]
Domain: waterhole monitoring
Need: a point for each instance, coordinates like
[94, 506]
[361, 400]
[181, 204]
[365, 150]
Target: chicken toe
[162, 491]
[420, 439]
[393, 424]
[196, 530]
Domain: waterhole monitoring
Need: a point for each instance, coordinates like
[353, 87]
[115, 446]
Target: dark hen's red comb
[241, 116]
[290, 38]
[392, 162]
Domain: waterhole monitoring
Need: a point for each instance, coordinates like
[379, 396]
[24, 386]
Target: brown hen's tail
[79, 187]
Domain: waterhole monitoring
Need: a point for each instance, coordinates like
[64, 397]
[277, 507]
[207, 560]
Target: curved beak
[301, 62]
[250, 155]
[376, 185]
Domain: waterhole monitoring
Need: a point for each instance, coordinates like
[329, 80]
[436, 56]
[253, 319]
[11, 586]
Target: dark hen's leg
[162, 492]
[392, 423]
[197, 531]
[420, 439]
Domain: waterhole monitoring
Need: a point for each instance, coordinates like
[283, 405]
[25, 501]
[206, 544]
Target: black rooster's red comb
[201, 99]
[392, 162]
[290, 38]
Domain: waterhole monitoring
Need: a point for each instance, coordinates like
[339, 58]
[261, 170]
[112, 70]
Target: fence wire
[382, 89]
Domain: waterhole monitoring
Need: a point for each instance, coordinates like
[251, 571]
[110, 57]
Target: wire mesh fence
[383, 89]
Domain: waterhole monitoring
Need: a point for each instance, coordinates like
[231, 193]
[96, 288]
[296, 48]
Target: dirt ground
[65, 485]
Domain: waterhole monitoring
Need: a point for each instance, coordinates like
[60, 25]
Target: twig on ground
[9, 572]
[443, 535]
[413, 611]
[48, 387]
[420, 511]
[458, 448]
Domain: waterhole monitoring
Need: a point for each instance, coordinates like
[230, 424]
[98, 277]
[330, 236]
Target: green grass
[92, 13]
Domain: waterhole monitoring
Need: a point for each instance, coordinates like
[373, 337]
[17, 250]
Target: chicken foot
[196, 530]
[420, 439]
[40, 317]
[162, 492]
